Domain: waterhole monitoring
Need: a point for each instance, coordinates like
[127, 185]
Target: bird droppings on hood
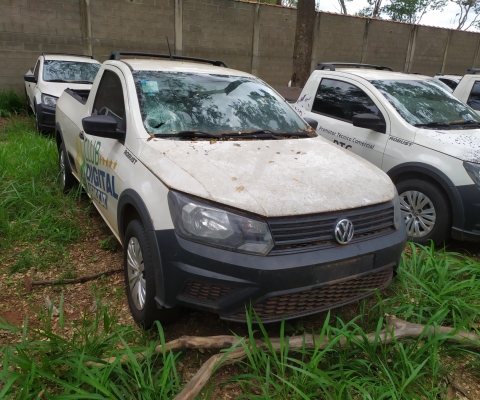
[464, 145]
[331, 179]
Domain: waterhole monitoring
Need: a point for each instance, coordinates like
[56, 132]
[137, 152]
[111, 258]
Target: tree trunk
[376, 8]
[302, 50]
[343, 7]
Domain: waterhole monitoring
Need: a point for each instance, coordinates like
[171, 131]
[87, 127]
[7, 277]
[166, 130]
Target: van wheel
[65, 176]
[140, 279]
[426, 210]
[37, 125]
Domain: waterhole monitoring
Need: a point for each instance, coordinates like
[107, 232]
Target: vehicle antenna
[170, 51]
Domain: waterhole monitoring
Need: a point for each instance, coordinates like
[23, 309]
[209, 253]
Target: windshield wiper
[67, 81]
[433, 125]
[188, 134]
[264, 133]
[468, 122]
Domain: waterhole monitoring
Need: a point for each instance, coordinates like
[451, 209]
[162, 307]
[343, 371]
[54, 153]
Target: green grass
[46, 364]
[435, 286]
[11, 103]
[431, 288]
[36, 220]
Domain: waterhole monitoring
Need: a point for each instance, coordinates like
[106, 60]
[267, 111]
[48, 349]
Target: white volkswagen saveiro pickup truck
[222, 196]
[52, 74]
[425, 139]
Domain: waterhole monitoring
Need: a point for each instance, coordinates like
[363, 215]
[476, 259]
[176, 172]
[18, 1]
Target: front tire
[65, 177]
[426, 210]
[140, 279]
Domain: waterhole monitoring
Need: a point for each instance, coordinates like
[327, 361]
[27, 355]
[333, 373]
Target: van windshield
[69, 71]
[424, 104]
[172, 102]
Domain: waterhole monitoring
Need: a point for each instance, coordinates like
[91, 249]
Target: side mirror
[370, 121]
[30, 78]
[312, 122]
[103, 126]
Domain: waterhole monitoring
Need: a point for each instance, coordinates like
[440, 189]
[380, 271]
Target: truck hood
[269, 177]
[56, 88]
[461, 144]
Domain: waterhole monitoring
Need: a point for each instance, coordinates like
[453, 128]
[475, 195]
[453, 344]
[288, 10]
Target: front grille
[205, 292]
[319, 299]
[313, 232]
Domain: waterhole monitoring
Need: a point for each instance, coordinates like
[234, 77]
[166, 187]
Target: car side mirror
[103, 126]
[30, 78]
[312, 122]
[370, 121]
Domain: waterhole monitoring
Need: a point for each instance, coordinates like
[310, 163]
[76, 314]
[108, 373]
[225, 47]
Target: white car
[222, 196]
[468, 89]
[450, 80]
[52, 74]
[425, 139]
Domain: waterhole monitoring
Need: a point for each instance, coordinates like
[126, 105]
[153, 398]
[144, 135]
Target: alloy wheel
[419, 213]
[136, 273]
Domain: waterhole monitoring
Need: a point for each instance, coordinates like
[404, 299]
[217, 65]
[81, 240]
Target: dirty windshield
[69, 71]
[172, 102]
[424, 104]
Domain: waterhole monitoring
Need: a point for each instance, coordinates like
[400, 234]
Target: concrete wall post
[179, 27]
[442, 70]
[86, 27]
[316, 38]
[256, 40]
[411, 49]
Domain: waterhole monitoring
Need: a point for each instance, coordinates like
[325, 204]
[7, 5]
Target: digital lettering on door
[100, 184]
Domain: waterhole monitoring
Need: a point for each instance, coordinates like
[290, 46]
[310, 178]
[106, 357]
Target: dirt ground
[87, 257]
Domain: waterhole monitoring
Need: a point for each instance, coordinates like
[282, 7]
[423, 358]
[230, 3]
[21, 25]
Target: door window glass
[109, 98]
[474, 98]
[342, 100]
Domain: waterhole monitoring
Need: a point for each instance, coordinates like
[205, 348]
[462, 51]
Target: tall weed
[11, 103]
[49, 364]
[36, 219]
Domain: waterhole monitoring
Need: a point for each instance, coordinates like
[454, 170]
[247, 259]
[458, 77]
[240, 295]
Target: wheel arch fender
[131, 205]
[58, 134]
[438, 177]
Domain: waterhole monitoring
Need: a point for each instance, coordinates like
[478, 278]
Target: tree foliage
[468, 8]
[410, 11]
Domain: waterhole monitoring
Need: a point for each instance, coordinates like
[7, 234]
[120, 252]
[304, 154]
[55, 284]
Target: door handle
[81, 136]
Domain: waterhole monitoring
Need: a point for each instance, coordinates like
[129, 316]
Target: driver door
[336, 102]
[101, 155]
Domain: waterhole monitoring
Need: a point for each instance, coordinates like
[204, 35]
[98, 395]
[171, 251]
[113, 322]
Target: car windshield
[69, 71]
[423, 103]
[172, 102]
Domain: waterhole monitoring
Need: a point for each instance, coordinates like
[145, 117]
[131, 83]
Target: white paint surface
[269, 178]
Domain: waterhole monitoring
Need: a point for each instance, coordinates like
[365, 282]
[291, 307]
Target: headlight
[49, 100]
[473, 170]
[398, 218]
[204, 223]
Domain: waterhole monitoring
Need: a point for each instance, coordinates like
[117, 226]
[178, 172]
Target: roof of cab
[67, 57]
[373, 74]
[178, 66]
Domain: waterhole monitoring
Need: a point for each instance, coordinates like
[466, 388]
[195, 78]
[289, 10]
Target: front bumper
[45, 117]
[281, 286]
[470, 195]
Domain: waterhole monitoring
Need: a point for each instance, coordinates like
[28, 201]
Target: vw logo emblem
[344, 231]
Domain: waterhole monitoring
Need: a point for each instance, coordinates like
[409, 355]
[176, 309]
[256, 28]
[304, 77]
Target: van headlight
[50, 101]
[205, 223]
[473, 170]
[398, 218]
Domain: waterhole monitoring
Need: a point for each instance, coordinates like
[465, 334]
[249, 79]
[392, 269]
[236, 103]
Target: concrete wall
[249, 36]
